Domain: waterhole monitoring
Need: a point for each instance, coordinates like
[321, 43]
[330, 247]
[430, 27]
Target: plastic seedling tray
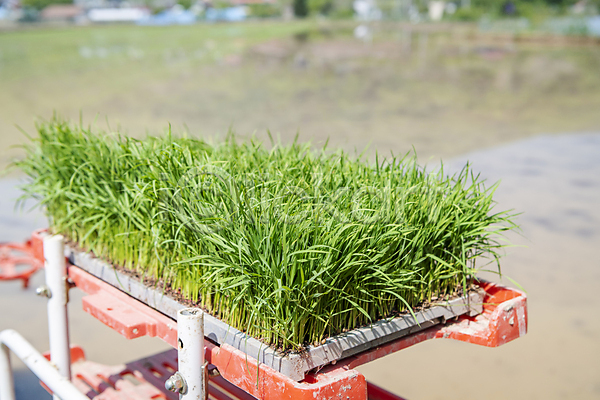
[293, 365]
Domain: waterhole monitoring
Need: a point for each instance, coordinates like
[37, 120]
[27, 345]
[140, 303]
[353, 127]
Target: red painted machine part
[504, 319]
[142, 379]
[17, 261]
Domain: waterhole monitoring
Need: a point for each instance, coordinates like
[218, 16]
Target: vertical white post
[7, 387]
[58, 323]
[190, 346]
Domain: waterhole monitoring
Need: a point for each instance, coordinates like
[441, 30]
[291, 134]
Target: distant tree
[561, 2]
[185, 3]
[300, 8]
[322, 7]
[40, 4]
[265, 10]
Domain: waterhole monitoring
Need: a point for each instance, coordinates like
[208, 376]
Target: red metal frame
[504, 319]
[138, 380]
[13, 255]
[145, 379]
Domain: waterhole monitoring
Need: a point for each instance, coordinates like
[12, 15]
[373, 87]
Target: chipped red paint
[504, 319]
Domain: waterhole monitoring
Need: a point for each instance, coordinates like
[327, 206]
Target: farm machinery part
[205, 368]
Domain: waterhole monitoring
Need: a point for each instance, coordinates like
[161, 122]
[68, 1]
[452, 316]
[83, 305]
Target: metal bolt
[176, 383]
[43, 291]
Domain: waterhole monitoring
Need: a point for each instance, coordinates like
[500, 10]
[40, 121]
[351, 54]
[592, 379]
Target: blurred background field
[442, 88]
[516, 92]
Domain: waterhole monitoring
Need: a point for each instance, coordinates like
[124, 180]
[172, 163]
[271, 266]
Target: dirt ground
[519, 111]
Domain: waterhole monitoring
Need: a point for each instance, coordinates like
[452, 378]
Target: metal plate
[293, 365]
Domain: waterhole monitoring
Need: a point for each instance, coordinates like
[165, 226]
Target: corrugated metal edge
[293, 365]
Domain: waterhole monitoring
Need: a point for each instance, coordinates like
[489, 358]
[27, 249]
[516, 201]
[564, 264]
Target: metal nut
[176, 383]
[43, 291]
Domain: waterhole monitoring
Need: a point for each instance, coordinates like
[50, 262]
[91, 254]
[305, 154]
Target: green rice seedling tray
[294, 250]
[291, 364]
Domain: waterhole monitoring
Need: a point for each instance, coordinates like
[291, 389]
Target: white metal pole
[58, 323]
[7, 386]
[190, 345]
[37, 363]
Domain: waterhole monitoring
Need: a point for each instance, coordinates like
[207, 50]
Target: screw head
[43, 291]
[175, 383]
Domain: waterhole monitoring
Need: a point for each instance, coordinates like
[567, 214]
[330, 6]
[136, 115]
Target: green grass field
[443, 90]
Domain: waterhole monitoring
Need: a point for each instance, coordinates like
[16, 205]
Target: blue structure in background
[179, 16]
[172, 16]
[593, 26]
[231, 14]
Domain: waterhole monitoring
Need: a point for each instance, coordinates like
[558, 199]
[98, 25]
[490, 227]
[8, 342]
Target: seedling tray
[293, 365]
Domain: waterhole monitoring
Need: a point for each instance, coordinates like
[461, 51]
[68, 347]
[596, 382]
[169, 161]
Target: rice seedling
[289, 244]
